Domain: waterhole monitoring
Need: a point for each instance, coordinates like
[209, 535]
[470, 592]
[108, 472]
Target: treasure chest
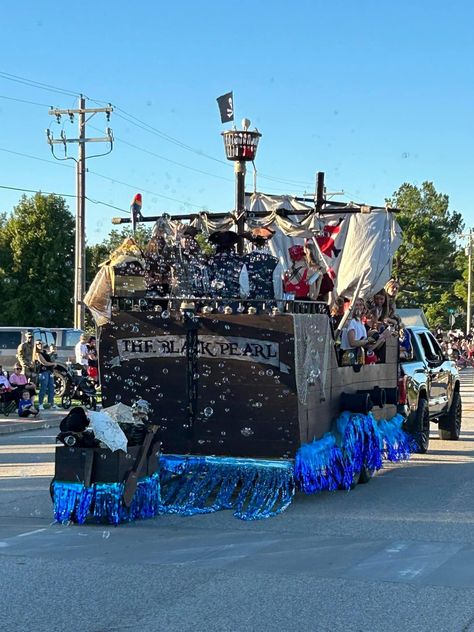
[101, 465]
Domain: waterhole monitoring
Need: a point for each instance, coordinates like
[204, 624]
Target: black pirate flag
[226, 107]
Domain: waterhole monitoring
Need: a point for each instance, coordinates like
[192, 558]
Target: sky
[373, 93]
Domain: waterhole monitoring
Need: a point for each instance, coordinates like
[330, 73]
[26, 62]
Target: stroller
[82, 388]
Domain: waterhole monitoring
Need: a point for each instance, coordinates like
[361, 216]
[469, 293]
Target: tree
[427, 263]
[39, 240]
[5, 264]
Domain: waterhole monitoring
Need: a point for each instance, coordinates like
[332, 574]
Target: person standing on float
[225, 266]
[262, 273]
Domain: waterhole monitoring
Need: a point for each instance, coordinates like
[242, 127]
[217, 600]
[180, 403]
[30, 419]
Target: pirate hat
[296, 253]
[75, 421]
[190, 231]
[224, 238]
[259, 234]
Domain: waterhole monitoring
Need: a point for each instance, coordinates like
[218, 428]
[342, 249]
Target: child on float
[356, 342]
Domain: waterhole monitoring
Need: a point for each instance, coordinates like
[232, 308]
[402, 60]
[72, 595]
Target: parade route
[396, 554]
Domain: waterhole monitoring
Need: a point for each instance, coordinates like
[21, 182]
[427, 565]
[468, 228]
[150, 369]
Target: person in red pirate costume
[326, 241]
[325, 274]
[295, 280]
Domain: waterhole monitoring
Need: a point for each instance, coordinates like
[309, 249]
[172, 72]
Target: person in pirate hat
[189, 268]
[295, 280]
[262, 273]
[157, 262]
[74, 431]
[225, 266]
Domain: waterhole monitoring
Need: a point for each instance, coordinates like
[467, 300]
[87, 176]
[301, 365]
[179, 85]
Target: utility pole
[469, 275]
[79, 251]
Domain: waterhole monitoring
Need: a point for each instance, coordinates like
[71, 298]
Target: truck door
[438, 377]
[442, 374]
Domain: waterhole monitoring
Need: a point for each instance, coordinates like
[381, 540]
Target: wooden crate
[100, 465]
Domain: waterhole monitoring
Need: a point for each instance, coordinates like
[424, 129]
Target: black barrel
[359, 402]
[391, 395]
[377, 395]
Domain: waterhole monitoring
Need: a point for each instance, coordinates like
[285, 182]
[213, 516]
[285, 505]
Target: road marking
[22, 535]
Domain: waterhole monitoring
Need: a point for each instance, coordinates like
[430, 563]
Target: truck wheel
[61, 383]
[365, 475]
[421, 427]
[450, 424]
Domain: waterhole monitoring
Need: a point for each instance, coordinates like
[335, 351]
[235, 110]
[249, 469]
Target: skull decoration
[140, 411]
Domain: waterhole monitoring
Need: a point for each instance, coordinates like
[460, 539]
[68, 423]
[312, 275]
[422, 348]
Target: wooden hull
[260, 385]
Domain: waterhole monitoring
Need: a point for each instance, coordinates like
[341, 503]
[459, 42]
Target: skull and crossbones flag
[226, 107]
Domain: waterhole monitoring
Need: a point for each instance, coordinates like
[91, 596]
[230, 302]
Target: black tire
[365, 475]
[450, 424]
[66, 402]
[91, 403]
[62, 383]
[51, 489]
[355, 481]
[421, 427]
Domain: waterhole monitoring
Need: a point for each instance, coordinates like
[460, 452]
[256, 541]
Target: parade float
[249, 395]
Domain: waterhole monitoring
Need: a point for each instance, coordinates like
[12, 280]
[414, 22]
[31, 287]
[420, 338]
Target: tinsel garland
[103, 501]
[357, 441]
[397, 444]
[252, 488]
[317, 465]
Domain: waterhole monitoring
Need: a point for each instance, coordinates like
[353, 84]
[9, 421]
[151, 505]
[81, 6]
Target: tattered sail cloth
[99, 295]
[366, 241]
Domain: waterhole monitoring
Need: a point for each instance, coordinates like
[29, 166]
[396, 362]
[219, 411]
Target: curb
[11, 427]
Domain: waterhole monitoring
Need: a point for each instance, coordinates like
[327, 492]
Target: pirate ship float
[249, 394]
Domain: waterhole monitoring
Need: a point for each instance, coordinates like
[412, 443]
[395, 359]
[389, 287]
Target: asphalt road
[397, 554]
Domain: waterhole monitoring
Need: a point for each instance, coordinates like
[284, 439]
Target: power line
[43, 105]
[36, 84]
[130, 118]
[104, 177]
[100, 175]
[153, 130]
[4, 186]
[137, 188]
[68, 195]
[173, 162]
[149, 128]
[52, 162]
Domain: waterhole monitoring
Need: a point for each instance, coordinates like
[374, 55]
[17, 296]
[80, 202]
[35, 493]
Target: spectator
[6, 393]
[93, 362]
[24, 355]
[46, 379]
[26, 406]
[18, 380]
[82, 352]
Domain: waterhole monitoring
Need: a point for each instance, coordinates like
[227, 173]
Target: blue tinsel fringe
[252, 488]
[358, 440]
[103, 501]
